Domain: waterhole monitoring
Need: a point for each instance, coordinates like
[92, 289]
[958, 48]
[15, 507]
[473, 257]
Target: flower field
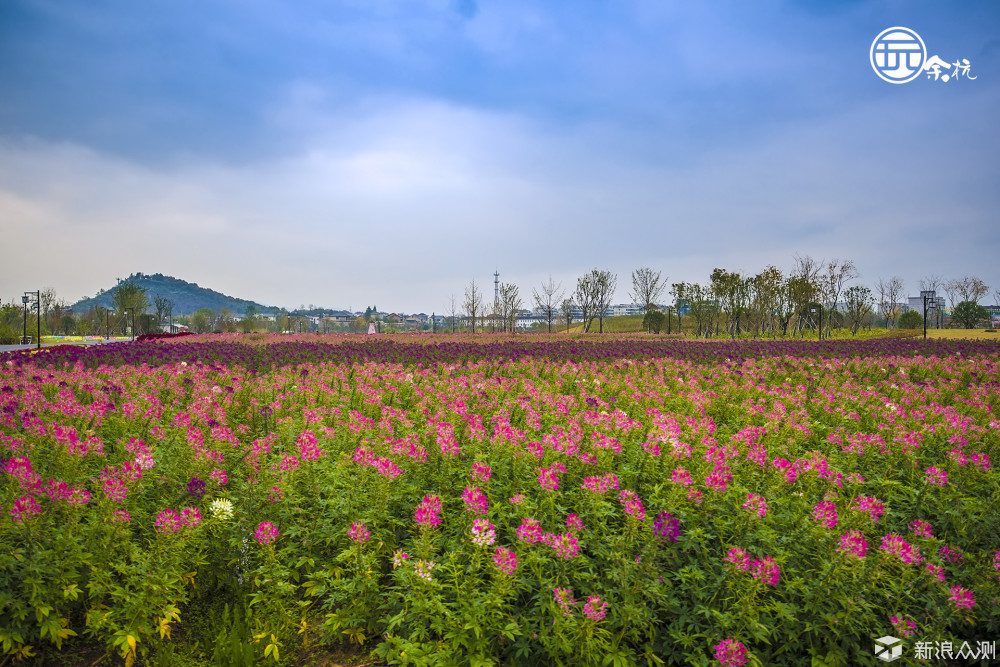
[530, 501]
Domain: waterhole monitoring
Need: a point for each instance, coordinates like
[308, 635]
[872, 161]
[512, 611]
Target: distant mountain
[187, 297]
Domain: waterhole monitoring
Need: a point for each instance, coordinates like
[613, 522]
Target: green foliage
[654, 321]
[970, 314]
[911, 319]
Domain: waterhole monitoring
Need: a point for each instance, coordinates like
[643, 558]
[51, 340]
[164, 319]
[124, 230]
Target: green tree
[860, 303]
[654, 320]
[969, 314]
[911, 319]
[202, 320]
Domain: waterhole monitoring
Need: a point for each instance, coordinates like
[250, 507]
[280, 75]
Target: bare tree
[890, 290]
[833, 280]
[163, 306]
[931, 283]
[647, 286]
[510, 305]
[859, 305]
[547, 300]
[972, 289]
[452, 311]
[951, 288]
[566, 307]
[473, 304]
[594, 292]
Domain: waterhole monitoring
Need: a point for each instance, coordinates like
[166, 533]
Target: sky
[347, 153]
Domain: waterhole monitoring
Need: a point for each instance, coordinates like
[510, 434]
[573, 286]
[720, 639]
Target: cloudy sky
[346, 153]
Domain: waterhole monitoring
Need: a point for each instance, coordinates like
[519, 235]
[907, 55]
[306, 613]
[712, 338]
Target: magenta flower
[219, 477]
[24, 507]
[547, 478]
[399, 557]
[573, 522]
[191, 516]
[936, 570]
[936, 476]
[633, 506]
[767, 570]
[874, 507]
[681, 476]
[121, 516]
[756, 505]
[921, 528]
[481, 472]
[517, 499]
[904, 627]
[739, 558]
[826, 514]
[566, 545]
[897, 546]
[427, 512]
[667, 526]
[530, 531]
[731, 653]
[483, 533]
[266, 533]
[168, 521]
[475, 500]
[594, 608]
[719, 478]
[505, 560]
[962, 598]
[601, 483]
[359, 532]
[564, 598]
[853, 543]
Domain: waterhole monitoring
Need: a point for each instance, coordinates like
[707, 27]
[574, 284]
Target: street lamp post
[940, 311]
[24, 334]
[926, 295]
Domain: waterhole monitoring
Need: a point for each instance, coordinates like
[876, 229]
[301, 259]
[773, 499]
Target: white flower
[221, 508]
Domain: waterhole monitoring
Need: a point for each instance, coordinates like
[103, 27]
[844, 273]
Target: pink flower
[739, 558]
[475, 500]
[962, 598]
[566, 545]
[681, 476]
[853, 543]
[897, 546]
[756, 505]
[24, 507]
[936, 570]
[483, 533]
[826, 514]
[422, 568]
[731, 653]
[564, 598]
[936, 476]
[309, 448]
[505, 560]
[399, 557]
[517, 499]
[359, 532]
[573, 522]
[601, 483]
[903, 626]
[169, 521]
[875, 508]
[266, 533]
[530, 531]
[594, 608]
[719, 478]
[766, 570]
[219, 477]
[426, 515]
[481, 472]
[921, 528]
[121, 516]
[547, 478]
[191, 517]
[950, 555]
[633, 506]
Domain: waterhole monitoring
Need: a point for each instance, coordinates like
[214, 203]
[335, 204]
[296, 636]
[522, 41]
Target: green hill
[187, 297]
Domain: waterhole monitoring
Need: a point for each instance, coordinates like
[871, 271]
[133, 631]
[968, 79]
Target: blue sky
[388, 152]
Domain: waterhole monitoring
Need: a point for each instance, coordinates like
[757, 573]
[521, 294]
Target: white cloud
[401, 201]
